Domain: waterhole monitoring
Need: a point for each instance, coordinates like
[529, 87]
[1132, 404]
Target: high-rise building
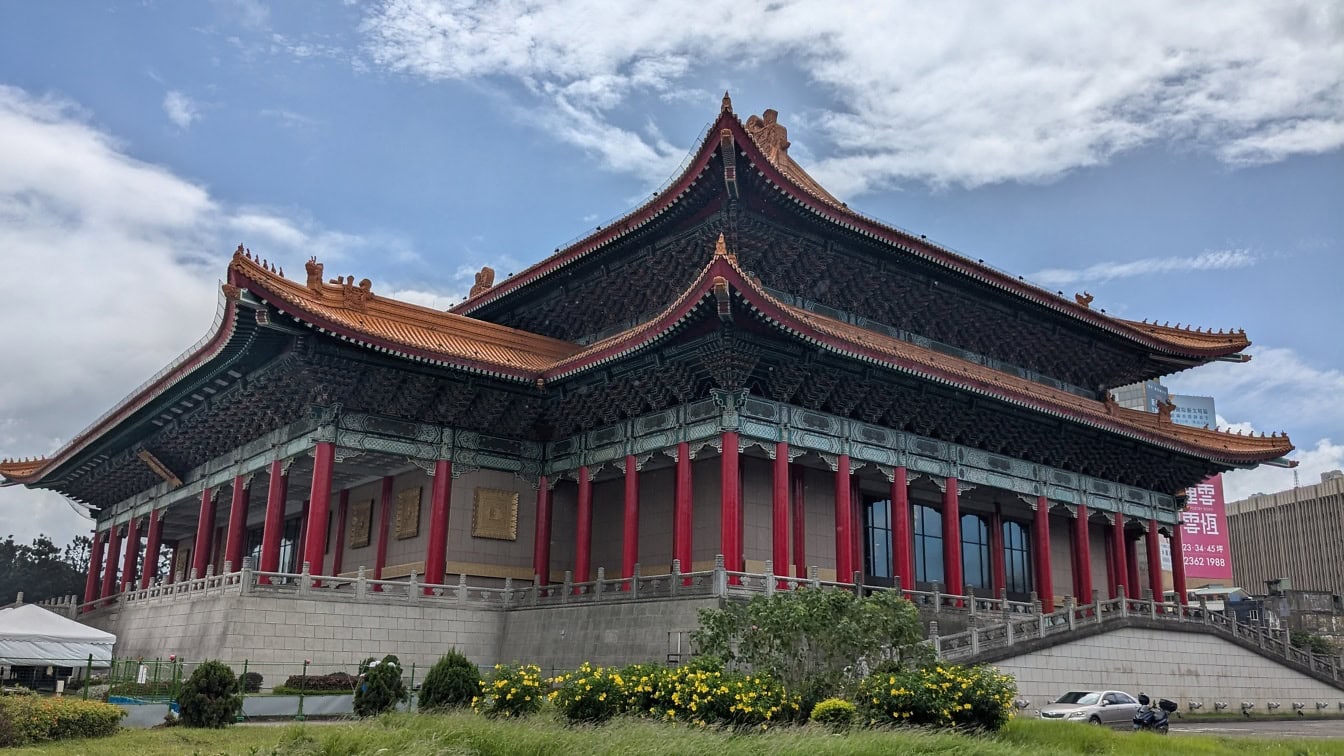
[1296, 534]
[1195, 411]
[1142, 396]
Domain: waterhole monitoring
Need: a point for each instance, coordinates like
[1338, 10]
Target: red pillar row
[681, 509]
[1154, 560]
[730, 502]
[132, 551]
[440, 499]
[319, 506]
[541, 547]
[1082, 550]
[630, 520]
[95, 564]
[779, 509]
[844, 510]
[997, 569]
[1045, 585]
[952, 537]
[342, 511]
[153, 544]
[384, 518]
[234, 542]
[110, 568]
[1121, 576]
[584, 529]
[797, 482]
[273, 526]
[205, 531]
[902, 538]
[1178, 565]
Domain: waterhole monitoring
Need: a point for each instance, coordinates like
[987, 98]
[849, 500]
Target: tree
[210, 697]
[41, 570]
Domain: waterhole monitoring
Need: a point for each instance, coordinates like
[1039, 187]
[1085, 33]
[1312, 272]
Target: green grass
[468, 734]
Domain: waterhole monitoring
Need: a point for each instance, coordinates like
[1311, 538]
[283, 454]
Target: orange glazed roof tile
[354, 311]
[16, 469]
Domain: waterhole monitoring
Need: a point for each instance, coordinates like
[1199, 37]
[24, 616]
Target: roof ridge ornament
[727, 103]
[314, 269]
[721, 250]
[1084, 299]
[485, 281]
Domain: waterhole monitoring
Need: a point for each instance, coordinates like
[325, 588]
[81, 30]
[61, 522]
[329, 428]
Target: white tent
[31, 636]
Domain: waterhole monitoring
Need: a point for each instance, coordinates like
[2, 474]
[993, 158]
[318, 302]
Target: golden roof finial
[727, 102]
[721, 247]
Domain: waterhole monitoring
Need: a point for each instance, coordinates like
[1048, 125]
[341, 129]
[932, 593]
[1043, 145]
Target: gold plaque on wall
[361, 520]
[408, 513]
[495, 514]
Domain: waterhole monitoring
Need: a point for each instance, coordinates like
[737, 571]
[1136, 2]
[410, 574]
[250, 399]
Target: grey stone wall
[1182, 666]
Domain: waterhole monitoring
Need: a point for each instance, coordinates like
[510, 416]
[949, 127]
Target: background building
[1142, 396]
[1296, 534]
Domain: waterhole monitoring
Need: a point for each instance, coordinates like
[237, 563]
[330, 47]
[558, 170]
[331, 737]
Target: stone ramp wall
[1182, 665]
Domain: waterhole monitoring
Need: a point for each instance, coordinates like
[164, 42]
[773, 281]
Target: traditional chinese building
[742, 366]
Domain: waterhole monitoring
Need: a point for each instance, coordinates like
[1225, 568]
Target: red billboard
[1204, 533]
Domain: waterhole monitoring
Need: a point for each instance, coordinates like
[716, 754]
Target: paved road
[1291, 728]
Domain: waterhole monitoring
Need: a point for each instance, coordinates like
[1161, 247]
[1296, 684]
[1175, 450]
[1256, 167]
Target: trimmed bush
[210, 697]
[835, 713]
[942, 696]
[336, 682]
[453, 682]
[160, 689]
[589, 694]
[252, 682]
[512, 691]
[380, 688]
[34, 719]
[705, 695]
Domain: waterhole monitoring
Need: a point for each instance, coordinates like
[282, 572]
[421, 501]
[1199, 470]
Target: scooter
[1153, 718]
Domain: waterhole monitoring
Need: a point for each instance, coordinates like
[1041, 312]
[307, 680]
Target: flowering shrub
[943, 696]
[34, 719]
[711, 696]
[836, 713]
[589, 694]
[637, 684]
[512, 691]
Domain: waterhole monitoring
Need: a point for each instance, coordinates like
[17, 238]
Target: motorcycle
[1153, 718]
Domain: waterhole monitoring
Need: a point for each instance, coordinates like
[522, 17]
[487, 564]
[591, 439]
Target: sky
[1183, 162]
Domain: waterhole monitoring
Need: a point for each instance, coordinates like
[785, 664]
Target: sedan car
[1113, 708]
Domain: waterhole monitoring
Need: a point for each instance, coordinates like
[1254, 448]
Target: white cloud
[1323, 457]
[113, 266]
[966, 94]
[432, 299]
[181, 110]
[1107, 271]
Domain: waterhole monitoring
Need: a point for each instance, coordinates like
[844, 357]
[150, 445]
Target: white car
[1113, 708]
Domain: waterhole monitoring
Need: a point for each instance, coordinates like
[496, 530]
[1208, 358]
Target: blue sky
[1180, 163]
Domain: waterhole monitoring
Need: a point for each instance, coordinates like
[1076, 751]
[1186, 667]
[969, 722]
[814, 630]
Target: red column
[1045, 584]
[730, 500]
[998, 572]
[153, 544]
[952, 538]
[1121, 576]
[856, 525]
[1154, 560]
[902, 551]
[1178, 565]
[541, 546]
[95, 563]
[273, 526]
[440, 499]
[384, 517]
[342, 511]
[1132, 583]
[205, 530]
[798, 483]
[844, 511]
[584, 529]
[1083, 553]
[630, 520]
[110, 569]
[132, 550]
[681, 512]
[319, 507]
[779, 509]
[235, 541]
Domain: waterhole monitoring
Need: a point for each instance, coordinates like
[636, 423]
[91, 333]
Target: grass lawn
[411, 735]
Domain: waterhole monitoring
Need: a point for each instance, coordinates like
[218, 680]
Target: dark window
[1016, 558]
[878, 536]
[928, 545]
[290, 560]
[975, 562]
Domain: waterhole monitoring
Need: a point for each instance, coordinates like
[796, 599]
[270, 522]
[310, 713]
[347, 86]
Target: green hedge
[35, 719]
[160, 689]
[336, 682]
